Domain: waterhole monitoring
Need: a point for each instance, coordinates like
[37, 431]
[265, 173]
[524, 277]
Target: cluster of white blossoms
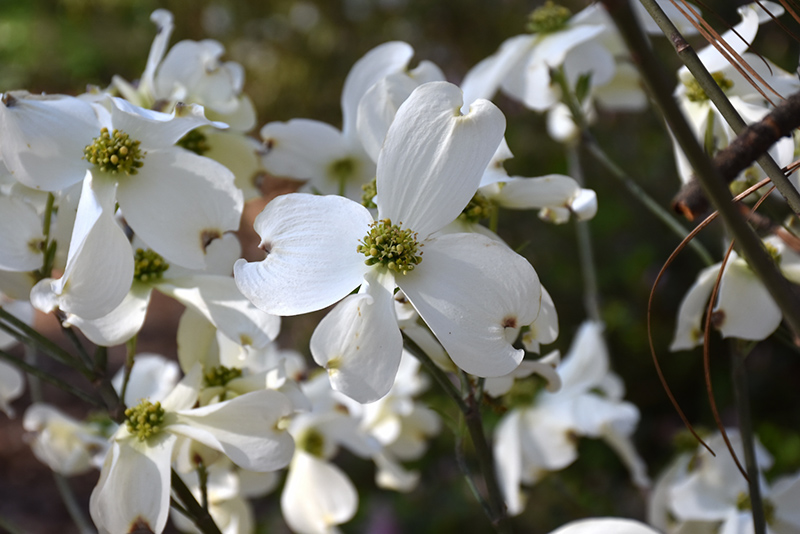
[140, 186]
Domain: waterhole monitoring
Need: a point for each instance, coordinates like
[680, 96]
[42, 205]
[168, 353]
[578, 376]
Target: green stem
[130, 354]
[752, 248]
[717, 96]
[742, 396]
[472, 415]
[31, 337]
[35, 371]
[192, 509]
[589, 142]
[202, 476]
[73, 337]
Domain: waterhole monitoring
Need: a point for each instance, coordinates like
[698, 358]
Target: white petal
[688, 330]
[12, 385]
[21, 235]
[43, 138]
[152, 377]
[195, 194]
[623, 446]
[317, 496]
[544, 329]
[433, 157]
[134, 486]
[359, 342]
[589, 59]
[483, 80]
[120, 324]
[184, 395]
[154, 129]
[586, 364]
[240, 154]
[164, 22]
[607, 525]
[392, 475]
[553, 190]
[312, 258]
[472, 272]
[745, 308]
[196, 340]
[99, 268]
[243, 428]
[508, 460]
[218, 299]
[381, 61]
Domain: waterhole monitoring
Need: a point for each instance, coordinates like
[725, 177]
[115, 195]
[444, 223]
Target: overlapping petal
[359, 342]
[433, 157]
[469, 289]
[21, 236]
[161, 188]
[312, 259]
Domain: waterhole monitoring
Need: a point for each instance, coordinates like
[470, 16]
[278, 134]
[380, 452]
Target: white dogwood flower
[134, 486]
[429, 168]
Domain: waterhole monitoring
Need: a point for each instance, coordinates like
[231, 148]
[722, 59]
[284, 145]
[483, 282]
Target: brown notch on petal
[140, 526]
[207, 236]
[9, 100]
[718, 319]
[269, 143]
[509, 322]
[266, 246]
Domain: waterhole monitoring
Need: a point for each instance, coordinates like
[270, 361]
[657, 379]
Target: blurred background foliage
[296, 55]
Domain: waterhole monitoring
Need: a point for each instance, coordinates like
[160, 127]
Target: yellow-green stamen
[145, 419]
[549, 18]
[311, 441]
[148, 265]
[221, 375]
[370, 189]
[194, 141]
[479, 208]
[695, 93]
[114, 152]
[391, 246]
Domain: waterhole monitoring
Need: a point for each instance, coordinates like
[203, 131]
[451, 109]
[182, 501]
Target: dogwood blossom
[429, 167]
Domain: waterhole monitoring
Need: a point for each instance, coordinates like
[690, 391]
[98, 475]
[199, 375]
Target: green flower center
[311, 441]
[145, 419]
[114, 152]
[148, 265]
[342, 169]
[524, 392]
[220, 376]
[194, 141]
[549, 18]
[370, 189]
[695, 93]
[743, 503]
[391, 246]
[479, 208]
[773, 252]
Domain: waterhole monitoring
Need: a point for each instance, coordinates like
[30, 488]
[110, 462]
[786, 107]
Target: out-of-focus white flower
[605, 525]
[744, 308]
[335, 161]
[533, 439]
[65, 445]
[134, 485]
[229, 509]
[702, 493]
[429, 168]
[12, 380]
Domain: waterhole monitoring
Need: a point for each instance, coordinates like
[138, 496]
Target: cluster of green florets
[524, 392]
[479, 208]
[695, 93]
[145, 419]
[148, 265]
[221, 375]
[548, 19]
[114, 152]
[370, 189]
[391, 246]
[312, 442]
[194, 141]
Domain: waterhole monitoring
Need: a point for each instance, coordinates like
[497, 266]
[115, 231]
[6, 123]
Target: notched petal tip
[140, 526]
[8, 100]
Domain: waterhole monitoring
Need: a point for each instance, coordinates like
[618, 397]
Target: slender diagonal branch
[782, 291]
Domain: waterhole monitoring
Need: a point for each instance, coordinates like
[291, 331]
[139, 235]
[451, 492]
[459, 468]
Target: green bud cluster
[391, 246]
[370, 189]
[524, 392]
[695, 93]
[145, 419]
[549, 18]
[773, 252]
[148, 265]
[479, 208]
[194, 141]
[114, 152]
[221, 375]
